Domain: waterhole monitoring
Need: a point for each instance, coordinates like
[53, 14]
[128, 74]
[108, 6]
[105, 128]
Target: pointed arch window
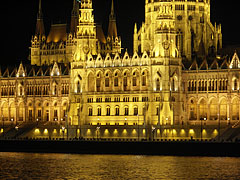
[116, 80]
[158, 84]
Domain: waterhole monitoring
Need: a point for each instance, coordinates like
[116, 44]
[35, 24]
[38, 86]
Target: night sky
[20, 20]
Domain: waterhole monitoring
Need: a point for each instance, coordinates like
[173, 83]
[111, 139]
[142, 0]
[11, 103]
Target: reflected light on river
[115, 167]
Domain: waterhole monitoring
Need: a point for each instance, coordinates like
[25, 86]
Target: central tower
[86, 40]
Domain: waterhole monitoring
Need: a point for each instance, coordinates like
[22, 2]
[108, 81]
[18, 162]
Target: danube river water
[115, 167]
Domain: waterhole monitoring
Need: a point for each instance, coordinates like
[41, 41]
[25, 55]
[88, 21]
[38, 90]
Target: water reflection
[114, 167]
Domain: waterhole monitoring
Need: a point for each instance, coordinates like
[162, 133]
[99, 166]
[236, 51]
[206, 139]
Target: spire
[112, 27]
[40, 30]
[112, 11]
[135, 28]
[40, 14]
[74, 17]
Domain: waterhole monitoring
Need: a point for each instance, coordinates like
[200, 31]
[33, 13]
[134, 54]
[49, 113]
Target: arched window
[90, 111]
[117, 111]
[78, 87]
[107, 80]
[126, 113]
[135, 112]
[144, 79]
[158, 84]
[235, 84]
[99, 111]
[108, 111]
[179, 41]
[98, 83]
[116, 80]
[134, 81]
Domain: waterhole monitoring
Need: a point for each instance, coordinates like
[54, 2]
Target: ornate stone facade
[104, 88]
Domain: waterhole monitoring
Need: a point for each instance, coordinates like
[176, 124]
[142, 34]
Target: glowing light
[45, 131]
[144, 131]
[88, 132]
[37, 131]
[134, 131]
[106, 132]
[191, 131]
[1, 130]
[115, 131]
[124, 131]
[55, 131]
[174, 132]
[182, 132]
[215, 132]
[204, 132]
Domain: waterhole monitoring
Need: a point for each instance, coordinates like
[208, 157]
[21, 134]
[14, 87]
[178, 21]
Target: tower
[86, 36]
[195, 34]
[113, 40]
[167, 62]
[85, 45]
[38, 38]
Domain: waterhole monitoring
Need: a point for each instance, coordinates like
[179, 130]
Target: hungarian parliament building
[82, 79]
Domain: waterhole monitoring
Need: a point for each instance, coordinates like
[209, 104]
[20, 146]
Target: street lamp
[153, 131]
[98, 128]
[63, 131]
[205, 119]
[138, 128]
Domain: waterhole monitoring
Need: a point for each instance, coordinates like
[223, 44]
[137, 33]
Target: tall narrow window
[108, 111]
[158, 85]
[55, 113]
[99, 111]
[107, 82]
[116, 82]
[144, 80]
[98, 84]
[134, 81]
[78, 87]
[117, 111]
[135, 111]
[90, 112]
[235, 84]
[126, 111]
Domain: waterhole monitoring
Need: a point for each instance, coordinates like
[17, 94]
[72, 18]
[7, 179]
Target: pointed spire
[112, 11]
[74, 17]
[40, 14]
[135, 28]
[40, 30]
[112, 27]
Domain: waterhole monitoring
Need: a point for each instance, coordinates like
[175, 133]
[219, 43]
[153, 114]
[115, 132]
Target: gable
[235, 63]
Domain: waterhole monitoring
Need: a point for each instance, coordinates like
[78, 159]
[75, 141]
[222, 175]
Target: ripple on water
[115, 167]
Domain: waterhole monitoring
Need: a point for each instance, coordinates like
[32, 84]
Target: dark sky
[20, 20]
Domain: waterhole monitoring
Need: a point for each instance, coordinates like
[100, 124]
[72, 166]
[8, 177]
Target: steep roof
[100, 34]
[57, 33]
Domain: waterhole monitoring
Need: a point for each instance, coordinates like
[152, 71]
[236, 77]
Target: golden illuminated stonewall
[174, 77]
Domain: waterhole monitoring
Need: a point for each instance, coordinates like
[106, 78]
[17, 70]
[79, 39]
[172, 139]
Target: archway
[192, 110]
[223, 109]
[213, 109]
[235, 109]
[203, 109]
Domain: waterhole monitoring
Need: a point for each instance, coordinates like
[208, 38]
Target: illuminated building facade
[107, 89]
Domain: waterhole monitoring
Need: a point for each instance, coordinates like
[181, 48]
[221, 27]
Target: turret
[112, 27]
[135, 39]
[113, 39]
